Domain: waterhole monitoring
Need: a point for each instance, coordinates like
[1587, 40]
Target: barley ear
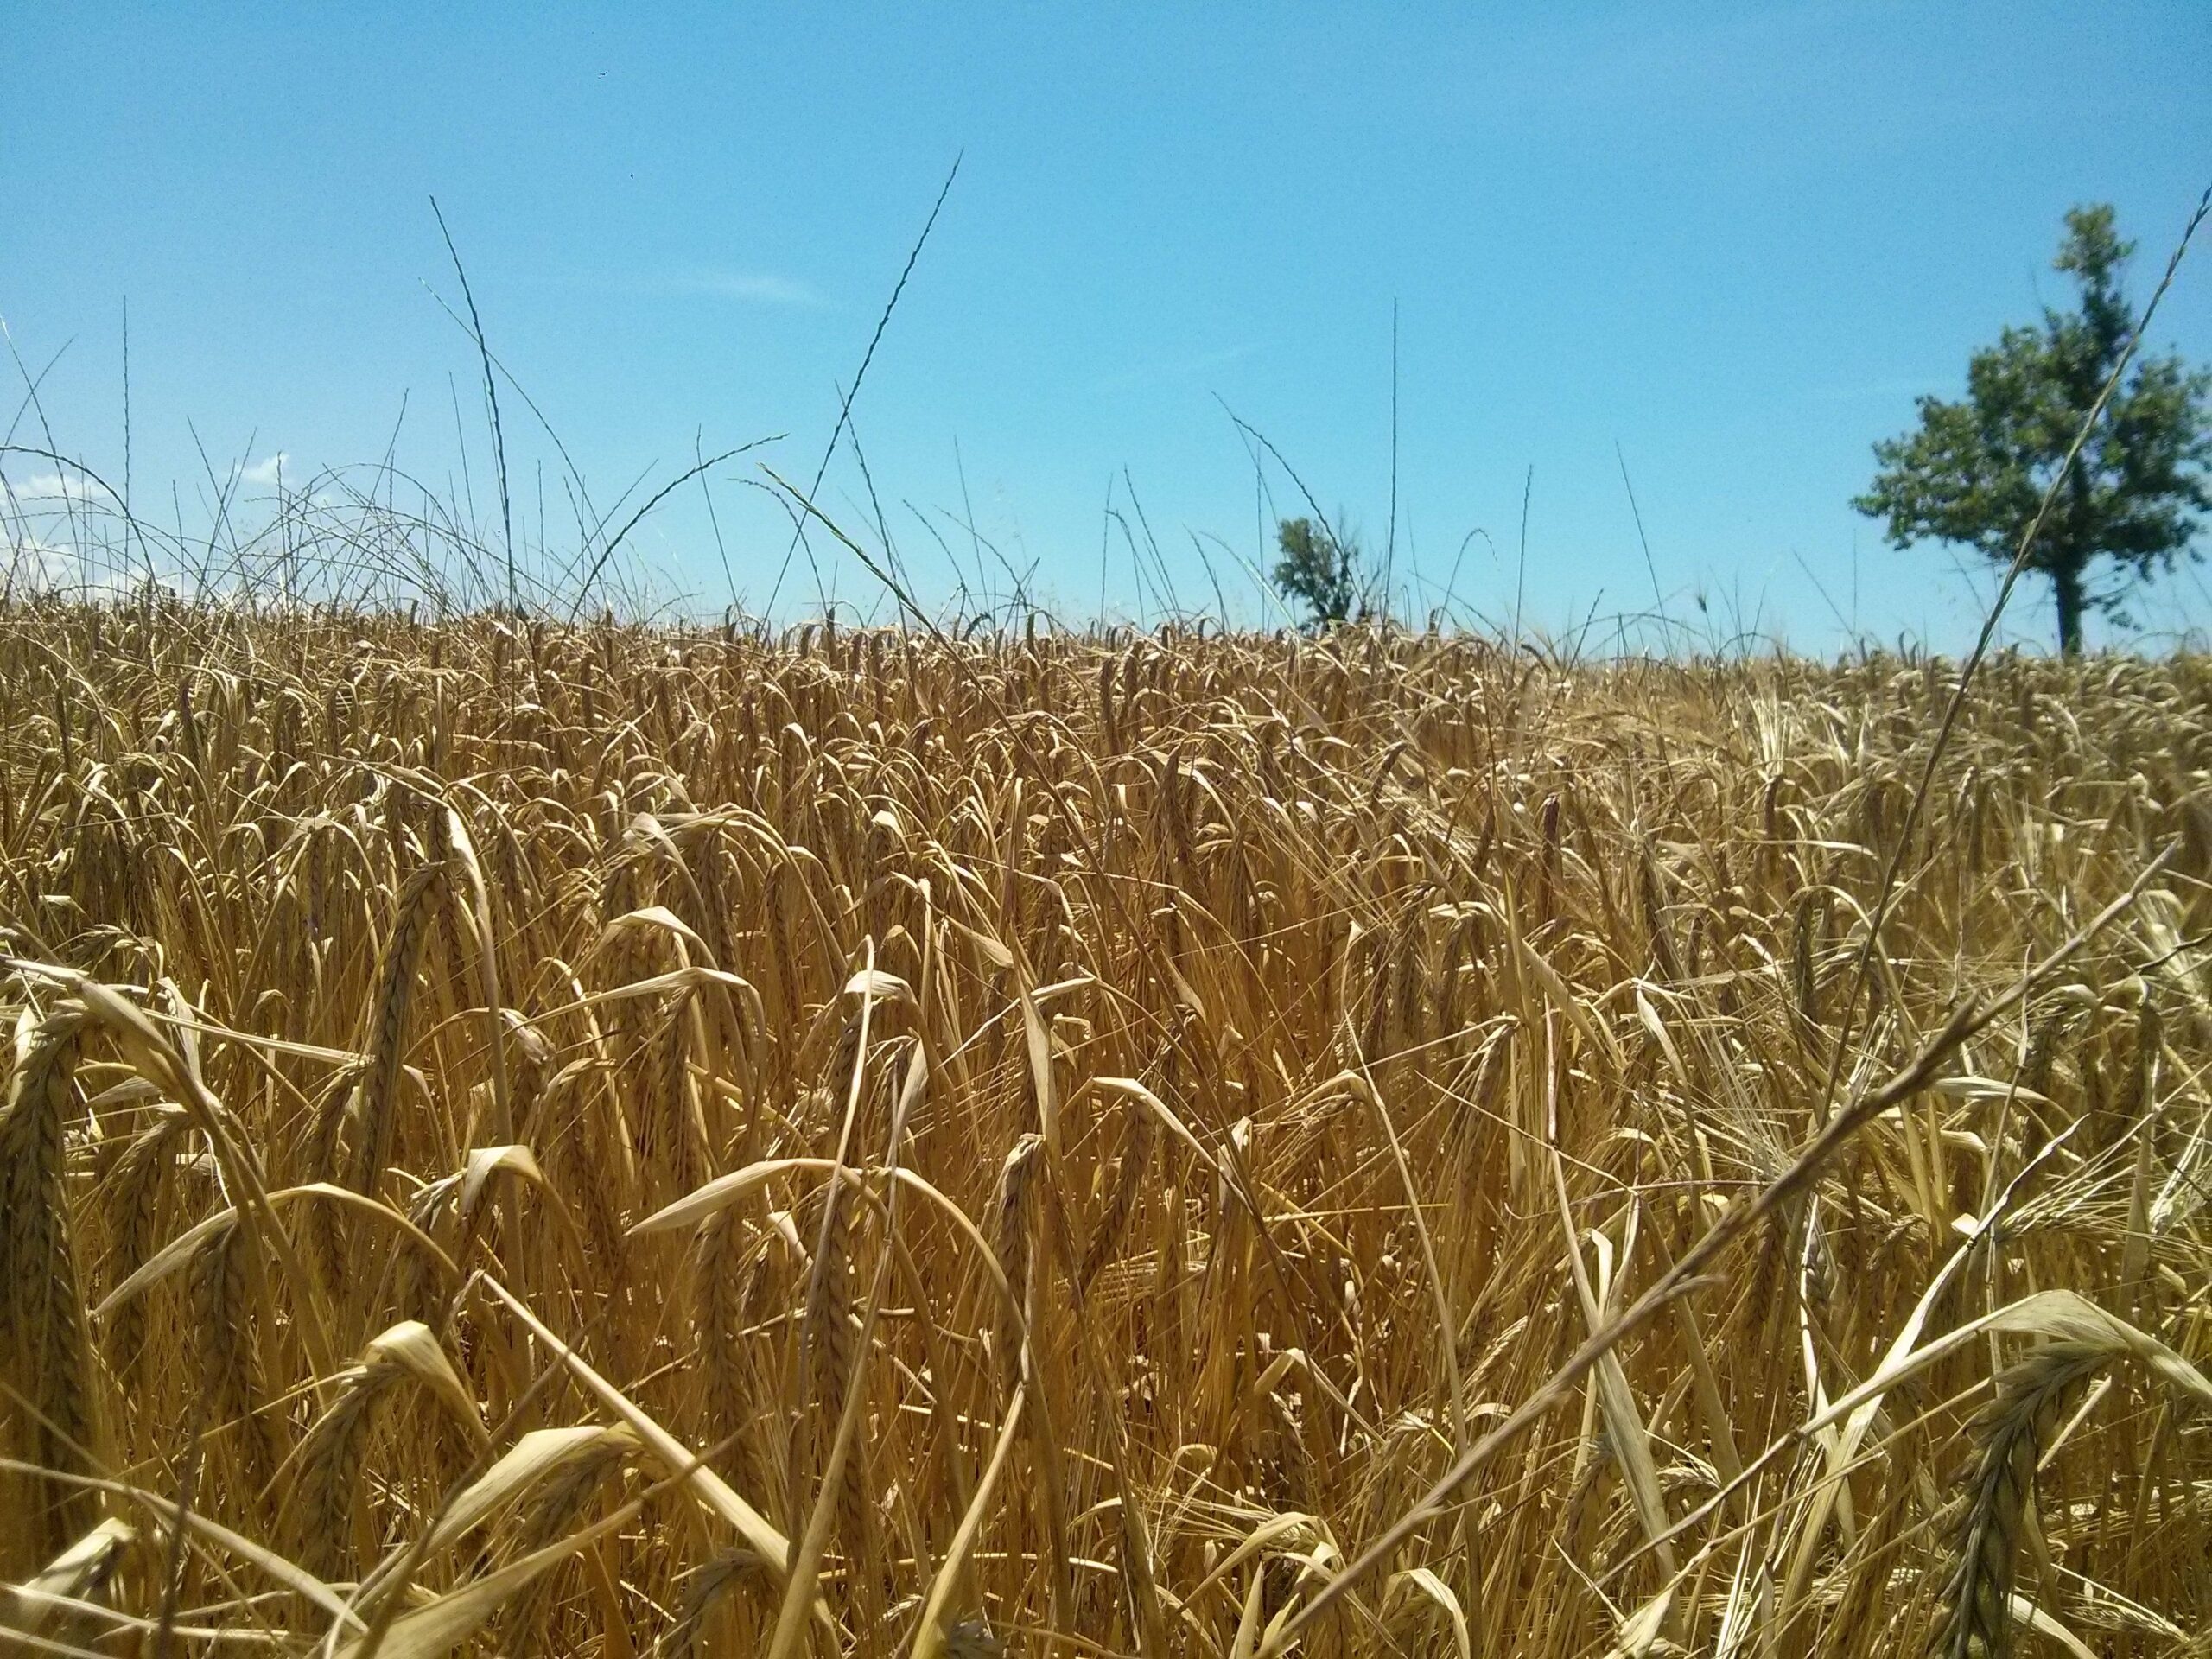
[728, 1265]
[708, 1585]
[329, 1469]
[44, 1353]
[374, 1104]
[829, 1344]
[222, 1310]
[553, 1513]
[321, 1157]
[2000, 1482]
[140, 1175]
[1121, 1203]
[1014, 1229]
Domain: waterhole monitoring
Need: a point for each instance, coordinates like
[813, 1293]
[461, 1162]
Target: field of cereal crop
[615, 1141]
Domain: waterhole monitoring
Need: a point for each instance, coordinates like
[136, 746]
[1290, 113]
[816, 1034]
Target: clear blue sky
[1733, 240]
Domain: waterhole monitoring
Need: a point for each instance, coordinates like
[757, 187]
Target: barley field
[620, 1141]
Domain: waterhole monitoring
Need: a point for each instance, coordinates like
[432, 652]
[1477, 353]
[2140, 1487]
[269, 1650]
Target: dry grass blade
[711, 1490]
[536, 1456]
[174, 1519]
[931, 1633]
[81, 1570]
[443, 1623]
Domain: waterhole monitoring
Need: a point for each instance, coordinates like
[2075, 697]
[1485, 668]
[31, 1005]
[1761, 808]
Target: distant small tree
[1320, 567]
[1976, 471]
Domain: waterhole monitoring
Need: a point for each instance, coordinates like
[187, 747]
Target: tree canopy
[1320, 567]
[1976, 471]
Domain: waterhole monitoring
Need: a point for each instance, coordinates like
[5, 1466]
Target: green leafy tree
[1976, 471]
[1320, 567]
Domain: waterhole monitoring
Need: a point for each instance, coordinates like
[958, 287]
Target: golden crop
[615, 1141]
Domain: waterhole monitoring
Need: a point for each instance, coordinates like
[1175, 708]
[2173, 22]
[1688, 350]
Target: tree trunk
[2067, 579]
